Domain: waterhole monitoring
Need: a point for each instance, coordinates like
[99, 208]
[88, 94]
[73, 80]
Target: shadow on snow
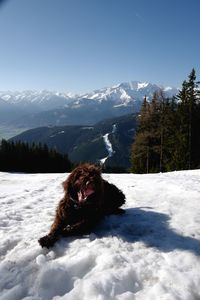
[150, 227]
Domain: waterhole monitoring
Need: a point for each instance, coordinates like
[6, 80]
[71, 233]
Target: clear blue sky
[81, 45]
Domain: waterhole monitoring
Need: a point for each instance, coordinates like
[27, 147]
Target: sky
[82, 45]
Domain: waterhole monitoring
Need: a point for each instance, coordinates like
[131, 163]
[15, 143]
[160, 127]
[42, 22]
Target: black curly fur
[73, 218]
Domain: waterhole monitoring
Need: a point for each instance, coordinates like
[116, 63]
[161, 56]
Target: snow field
[151, 252]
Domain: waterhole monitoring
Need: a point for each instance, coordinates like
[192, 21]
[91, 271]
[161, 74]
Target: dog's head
[84, 183]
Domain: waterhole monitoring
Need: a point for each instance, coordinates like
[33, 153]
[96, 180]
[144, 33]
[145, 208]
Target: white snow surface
[152, 252]
[109, 148]
[142, 85]
[108, 145]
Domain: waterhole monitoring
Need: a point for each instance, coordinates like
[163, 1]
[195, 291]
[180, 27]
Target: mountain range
[31, 109]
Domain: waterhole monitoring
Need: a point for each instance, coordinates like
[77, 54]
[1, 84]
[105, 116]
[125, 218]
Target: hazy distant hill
[87, 143]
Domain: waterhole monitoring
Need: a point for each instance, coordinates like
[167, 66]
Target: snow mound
[150, 252]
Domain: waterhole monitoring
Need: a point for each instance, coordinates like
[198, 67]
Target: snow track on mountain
[108, 145]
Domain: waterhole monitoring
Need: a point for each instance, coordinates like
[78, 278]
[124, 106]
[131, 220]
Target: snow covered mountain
[150, 252]
[128, 92]
[30, 109]
[121, 94]
[35, 99]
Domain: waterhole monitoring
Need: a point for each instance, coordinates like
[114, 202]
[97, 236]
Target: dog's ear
[68, 185]
[65, 185]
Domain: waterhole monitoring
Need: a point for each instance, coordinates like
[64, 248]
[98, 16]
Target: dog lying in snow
[88, 197]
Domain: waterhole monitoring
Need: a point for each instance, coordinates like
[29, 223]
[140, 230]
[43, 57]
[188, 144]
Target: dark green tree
[150, 151]
[189, 121]
[140, 148]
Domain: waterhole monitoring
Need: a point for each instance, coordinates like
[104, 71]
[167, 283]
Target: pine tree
[187, 113]
[154, 137]
[140, 148]
[145, 149]
[168, 143]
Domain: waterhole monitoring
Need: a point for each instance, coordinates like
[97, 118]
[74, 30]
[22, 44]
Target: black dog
[88, 197]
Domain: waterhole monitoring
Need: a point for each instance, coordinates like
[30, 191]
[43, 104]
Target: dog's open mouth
[85, 192]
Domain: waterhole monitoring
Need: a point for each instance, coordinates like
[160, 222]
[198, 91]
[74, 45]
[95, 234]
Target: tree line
[168, 136]
[22, 157]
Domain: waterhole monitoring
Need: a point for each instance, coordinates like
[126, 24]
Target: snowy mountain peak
[44, 99]
[40, 108]
[133, 85]
[127, 92]
[31, 95]
[121, 94]
[142, 85]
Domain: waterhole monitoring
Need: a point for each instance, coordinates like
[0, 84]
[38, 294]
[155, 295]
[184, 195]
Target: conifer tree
[168, 140]
[140, 148]
[150, 151]
[188, 116]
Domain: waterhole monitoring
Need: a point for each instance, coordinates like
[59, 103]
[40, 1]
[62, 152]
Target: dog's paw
[47, 241]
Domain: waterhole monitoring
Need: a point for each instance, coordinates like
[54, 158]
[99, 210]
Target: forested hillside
[86, 143]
